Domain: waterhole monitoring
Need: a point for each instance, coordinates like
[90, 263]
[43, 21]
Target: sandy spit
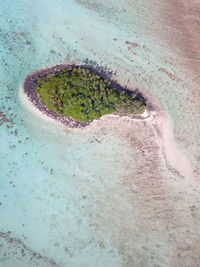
[158, 119]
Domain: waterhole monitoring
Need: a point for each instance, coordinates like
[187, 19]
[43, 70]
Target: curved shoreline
[161, 122]
[29, 85]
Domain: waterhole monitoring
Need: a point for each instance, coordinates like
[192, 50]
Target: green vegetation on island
[83, 95]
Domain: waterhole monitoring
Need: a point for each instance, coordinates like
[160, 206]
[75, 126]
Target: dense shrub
[82, 94]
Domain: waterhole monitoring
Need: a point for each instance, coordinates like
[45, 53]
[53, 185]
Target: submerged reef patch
[78, 94]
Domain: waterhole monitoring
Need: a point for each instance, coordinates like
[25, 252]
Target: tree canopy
[83, 95]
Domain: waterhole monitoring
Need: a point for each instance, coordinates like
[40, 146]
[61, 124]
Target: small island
[80, 94]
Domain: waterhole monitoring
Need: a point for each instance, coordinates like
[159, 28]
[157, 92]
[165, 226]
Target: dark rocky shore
[30, 84]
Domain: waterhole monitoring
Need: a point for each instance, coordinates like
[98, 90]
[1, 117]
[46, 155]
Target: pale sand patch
[145, 114]
[173, 155]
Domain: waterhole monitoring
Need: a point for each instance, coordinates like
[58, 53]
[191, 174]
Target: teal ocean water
[81, 197]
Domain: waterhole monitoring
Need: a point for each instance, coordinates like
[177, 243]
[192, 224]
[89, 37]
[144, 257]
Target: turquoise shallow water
[61, 192]
[48, 177]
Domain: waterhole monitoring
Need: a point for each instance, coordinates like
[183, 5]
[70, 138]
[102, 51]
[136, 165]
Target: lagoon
[123, 192]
